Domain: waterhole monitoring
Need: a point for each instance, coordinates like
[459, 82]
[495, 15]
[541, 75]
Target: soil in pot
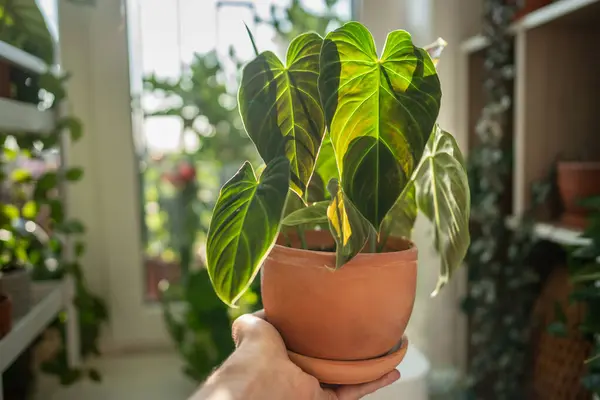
[5, 315]
[357, 312]
[577, 181]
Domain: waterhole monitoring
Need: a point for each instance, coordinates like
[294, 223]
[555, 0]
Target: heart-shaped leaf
[244, 227]
[280, 107]
[379, 111]
[315, 213]
[443, 196]
[349, 229]
[326, 167]
[400, 220]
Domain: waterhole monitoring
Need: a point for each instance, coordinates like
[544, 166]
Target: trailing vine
[502, 281]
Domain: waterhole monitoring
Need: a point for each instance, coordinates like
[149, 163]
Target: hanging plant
[501, 275]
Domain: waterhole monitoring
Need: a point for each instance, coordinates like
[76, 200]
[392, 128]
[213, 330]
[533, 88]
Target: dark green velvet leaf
[280, 107]
[380, 112]
[400, 220]
[326, 167]
[443, 196]
[315, 213]
[244, 227]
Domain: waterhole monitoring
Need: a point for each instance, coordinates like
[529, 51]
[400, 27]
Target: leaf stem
[373, 242]
[252, 39]
[288, 242]
[302, 237]
[384, 238]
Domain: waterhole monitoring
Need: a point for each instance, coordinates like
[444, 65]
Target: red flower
[187, 172]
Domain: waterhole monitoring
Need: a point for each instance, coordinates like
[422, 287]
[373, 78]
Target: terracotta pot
[17, 285]
[577, 181]
[4, 79]
[158, 270]
[530, 6]
[357, 312]
[5, 315]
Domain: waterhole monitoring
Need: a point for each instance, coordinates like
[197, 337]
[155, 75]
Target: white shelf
[555, 233]
[552, 12]
[17, 117]
[474, 44]
[48, 299]
[555, 12]
[22, 59]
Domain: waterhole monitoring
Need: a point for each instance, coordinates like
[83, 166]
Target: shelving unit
[555, 111]
[50, 298]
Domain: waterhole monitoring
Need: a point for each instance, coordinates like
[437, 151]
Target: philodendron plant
[337, 113]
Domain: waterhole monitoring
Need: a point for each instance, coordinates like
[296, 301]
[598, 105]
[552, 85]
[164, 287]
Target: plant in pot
[338, 266]
[15, 278]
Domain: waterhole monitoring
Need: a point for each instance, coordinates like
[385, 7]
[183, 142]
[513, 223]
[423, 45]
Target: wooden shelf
[49, 300]
[18, 117]
[577, 13]
[22, 59]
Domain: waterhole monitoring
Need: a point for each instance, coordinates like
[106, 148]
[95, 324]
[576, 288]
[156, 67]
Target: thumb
[246, 326]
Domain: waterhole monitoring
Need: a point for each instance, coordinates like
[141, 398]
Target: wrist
[238, 377]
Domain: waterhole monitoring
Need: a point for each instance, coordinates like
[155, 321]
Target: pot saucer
[350, 372]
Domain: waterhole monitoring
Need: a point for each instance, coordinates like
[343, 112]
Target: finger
[356, 392]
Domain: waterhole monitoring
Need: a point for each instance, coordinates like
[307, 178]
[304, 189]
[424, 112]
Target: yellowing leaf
[350, 230]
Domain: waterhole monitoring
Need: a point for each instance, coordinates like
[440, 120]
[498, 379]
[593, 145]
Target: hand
[276, 377]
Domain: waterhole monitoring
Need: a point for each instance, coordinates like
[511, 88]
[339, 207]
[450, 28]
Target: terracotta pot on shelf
[358, 312]
[530, 6]
[17, 285]
[4, 79]
[577, 181]
[5, 315]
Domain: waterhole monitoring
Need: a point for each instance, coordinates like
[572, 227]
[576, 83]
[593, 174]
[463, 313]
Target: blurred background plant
[32, 211]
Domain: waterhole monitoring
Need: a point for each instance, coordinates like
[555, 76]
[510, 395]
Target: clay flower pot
[5, 315]
[357, 312]
[577, 181]
[4, 79]
[16, 284]
[530, 6]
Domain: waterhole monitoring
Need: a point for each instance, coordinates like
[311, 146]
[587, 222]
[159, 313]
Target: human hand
[262, 349]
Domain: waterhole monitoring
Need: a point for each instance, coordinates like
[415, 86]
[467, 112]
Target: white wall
[95, 50]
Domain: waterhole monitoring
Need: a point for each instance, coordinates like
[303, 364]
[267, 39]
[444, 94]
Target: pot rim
[293, 253]
[575, 165]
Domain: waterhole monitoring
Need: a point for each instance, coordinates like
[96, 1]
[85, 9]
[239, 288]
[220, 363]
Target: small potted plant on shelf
[5, 313]
[352, 153]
